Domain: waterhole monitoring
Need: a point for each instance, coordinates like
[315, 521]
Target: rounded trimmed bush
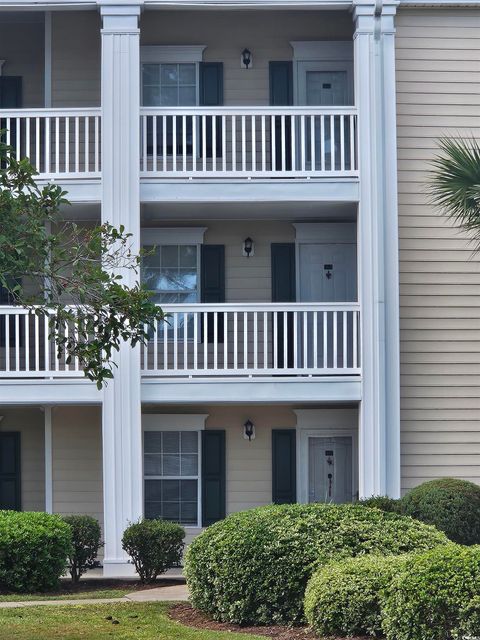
[451, 505]
[344, 598]
[384, 503]
[253, 566]
[85, 544]
[470, 619]
[33, 550]
[154, 546]
[425, 601]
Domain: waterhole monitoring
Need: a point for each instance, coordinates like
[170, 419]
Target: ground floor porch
[200, 463]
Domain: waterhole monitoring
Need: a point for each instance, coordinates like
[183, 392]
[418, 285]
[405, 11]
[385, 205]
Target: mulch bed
[190, 617]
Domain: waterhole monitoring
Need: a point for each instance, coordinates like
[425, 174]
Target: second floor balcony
[200, 142]
[254, 340]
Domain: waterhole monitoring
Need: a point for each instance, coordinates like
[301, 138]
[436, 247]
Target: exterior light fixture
[246, 58]
[248, 247]
[249, 430]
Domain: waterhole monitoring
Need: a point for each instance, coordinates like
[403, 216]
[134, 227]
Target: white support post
[121, 417]
[48, 460]
[379, 437]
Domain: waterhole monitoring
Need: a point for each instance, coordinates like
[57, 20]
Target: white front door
[320, 88]
[330, 463]
[327, 273]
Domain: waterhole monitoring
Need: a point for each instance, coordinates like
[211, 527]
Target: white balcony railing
[255, 340]
[58, 142]
[206, 340]
[250, 142]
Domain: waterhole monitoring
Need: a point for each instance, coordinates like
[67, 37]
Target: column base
[118, 569]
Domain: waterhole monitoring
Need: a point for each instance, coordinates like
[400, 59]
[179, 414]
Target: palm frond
[454, 184]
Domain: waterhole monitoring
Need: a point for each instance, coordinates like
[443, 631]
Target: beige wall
[438, 85]
[21, 46]
[76, 46]
[30, 424]
[77, 461]
[266, 33]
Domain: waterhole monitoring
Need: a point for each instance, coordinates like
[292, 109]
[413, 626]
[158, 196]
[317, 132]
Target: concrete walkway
[172, 593]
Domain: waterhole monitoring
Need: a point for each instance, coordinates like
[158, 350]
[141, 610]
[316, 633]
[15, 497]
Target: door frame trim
[303, 434]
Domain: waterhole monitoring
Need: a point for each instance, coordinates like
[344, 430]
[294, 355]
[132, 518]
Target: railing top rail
[52, 112]
[225, 306]
[268, 111]
[261, 306]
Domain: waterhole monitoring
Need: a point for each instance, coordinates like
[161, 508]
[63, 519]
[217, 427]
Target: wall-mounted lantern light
[249, 430]
[248, 247]
[246, 59]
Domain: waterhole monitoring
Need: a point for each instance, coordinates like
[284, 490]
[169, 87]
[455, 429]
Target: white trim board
[172, 53]
[174, 421]
[328, 50]
[325, 232]
[172, 235]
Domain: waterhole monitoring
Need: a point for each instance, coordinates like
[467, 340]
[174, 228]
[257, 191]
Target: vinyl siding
[266, 33]
[24, 61]
[77, 461]
[438, 93]
[30, 423]
[76, 59]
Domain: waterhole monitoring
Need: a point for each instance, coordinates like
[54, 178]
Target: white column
[47, 81]
[48, 459]
[121, 417]
[379, 463]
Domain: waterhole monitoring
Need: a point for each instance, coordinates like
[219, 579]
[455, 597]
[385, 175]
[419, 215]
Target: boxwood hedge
[451, 505]
[432, 598]
[253, 566]
[33, 550]
[344, 598]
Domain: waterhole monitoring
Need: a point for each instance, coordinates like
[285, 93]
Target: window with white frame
[169, 84]
[171, 272]
[171, 473]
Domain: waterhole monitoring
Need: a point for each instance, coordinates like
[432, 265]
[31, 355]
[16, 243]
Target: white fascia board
[248, 391]
[41, 392]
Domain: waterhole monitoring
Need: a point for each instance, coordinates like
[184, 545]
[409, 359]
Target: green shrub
[451, 505]
[154, 546]
[85, 544]
[33, 550]
[344, 598]
[253, 566]
[384, 503]
[425, 601]
[470, 619]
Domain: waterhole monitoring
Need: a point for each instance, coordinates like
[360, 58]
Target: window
[171, 272]
[171, 469]
[169, 84]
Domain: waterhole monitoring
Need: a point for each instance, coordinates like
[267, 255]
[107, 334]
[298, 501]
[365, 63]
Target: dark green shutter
[213, 476]
[281, 95]
[213, 284]
[10, 487]
[10, 92]
[284, 468]
[284, 290]
[211, 95]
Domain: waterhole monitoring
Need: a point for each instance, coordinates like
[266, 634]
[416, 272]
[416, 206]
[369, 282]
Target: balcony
[259, 142]
[206, 341]
[200, 142]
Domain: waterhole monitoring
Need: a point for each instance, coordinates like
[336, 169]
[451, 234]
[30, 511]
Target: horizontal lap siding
[438, 93]
[30, 423]
[77, 461]
[266, 33]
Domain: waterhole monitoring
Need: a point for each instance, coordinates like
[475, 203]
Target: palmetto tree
[454, 184]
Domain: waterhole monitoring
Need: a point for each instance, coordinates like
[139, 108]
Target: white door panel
[330, 469]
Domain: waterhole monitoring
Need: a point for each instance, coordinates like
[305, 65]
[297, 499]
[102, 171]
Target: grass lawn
[97, 622]
[81, 595]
